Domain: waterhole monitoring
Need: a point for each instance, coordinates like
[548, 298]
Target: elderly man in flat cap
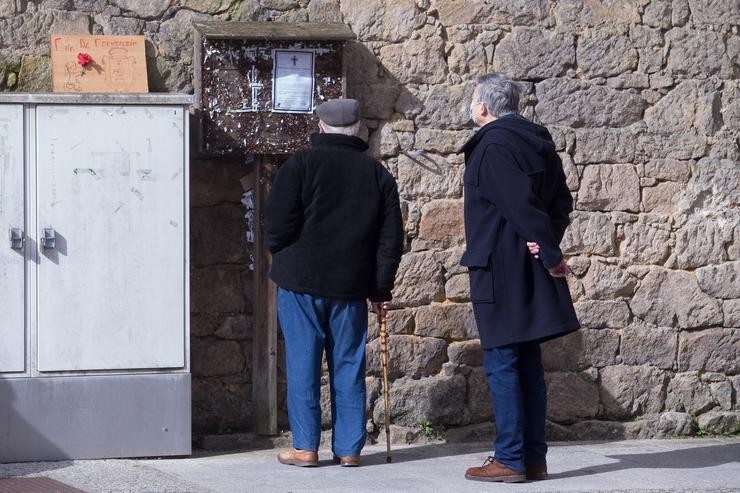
[333, 225]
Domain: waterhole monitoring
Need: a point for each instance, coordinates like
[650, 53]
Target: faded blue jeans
[517, 382]
[312, 325]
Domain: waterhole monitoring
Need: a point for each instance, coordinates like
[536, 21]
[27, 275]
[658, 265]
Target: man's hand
[534, 249]
[560, 270]
[380, 307]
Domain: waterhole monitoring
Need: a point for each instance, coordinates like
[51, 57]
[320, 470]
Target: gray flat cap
[339, 112]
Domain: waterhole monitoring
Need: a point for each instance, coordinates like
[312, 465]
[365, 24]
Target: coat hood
[535, 137]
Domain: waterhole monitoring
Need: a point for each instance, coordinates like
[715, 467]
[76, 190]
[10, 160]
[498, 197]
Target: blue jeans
[312, 325]
[517, 382]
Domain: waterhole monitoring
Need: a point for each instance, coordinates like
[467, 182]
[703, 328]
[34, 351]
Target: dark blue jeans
[517, 382]
[312, 325]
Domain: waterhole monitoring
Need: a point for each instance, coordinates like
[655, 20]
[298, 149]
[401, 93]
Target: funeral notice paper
[292, 88]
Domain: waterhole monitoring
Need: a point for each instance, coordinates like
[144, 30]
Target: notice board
[257, 84]
[256, 87]
[107, 64]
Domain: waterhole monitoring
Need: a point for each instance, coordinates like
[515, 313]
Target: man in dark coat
[333, 225]
[516, 211]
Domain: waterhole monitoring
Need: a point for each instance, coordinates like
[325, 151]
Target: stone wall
[641, 97]
[221, 298]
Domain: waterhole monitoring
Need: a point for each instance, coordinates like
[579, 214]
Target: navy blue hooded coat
[515, 192]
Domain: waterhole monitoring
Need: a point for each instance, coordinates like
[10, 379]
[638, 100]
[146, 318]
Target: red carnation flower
[84, 59]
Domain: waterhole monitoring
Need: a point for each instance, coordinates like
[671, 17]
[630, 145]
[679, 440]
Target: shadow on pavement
[424, 452]
[405, 454]
[688, 458]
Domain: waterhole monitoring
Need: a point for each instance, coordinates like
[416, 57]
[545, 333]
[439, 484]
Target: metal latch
[49, 238]
[17, 238]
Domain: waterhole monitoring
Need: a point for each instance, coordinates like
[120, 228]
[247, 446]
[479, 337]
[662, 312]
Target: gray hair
[351, 130]
[499, 93]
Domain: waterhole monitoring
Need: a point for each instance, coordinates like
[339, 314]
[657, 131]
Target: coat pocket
[480, 269]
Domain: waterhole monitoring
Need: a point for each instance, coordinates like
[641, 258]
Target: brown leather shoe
[494, 471]
[300, 458]
[349, 461]
[536, 472]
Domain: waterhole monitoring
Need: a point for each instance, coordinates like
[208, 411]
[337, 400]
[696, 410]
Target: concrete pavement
[696, 465]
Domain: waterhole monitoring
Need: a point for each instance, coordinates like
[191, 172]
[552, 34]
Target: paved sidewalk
[696, 465]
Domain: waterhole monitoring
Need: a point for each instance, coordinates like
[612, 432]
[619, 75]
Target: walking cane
[384, 360]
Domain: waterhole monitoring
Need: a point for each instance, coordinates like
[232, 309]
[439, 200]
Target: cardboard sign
[98, 64]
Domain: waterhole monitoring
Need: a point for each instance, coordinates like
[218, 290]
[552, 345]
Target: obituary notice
[293, 84]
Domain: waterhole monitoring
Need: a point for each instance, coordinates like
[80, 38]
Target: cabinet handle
[49, 238]
[17, 238]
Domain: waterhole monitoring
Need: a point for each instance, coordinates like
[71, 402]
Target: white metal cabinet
[12, 256]
[111, 290]
[94, 309]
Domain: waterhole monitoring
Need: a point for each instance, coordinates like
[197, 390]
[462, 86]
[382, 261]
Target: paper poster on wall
[293, 83]
[106, 64]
